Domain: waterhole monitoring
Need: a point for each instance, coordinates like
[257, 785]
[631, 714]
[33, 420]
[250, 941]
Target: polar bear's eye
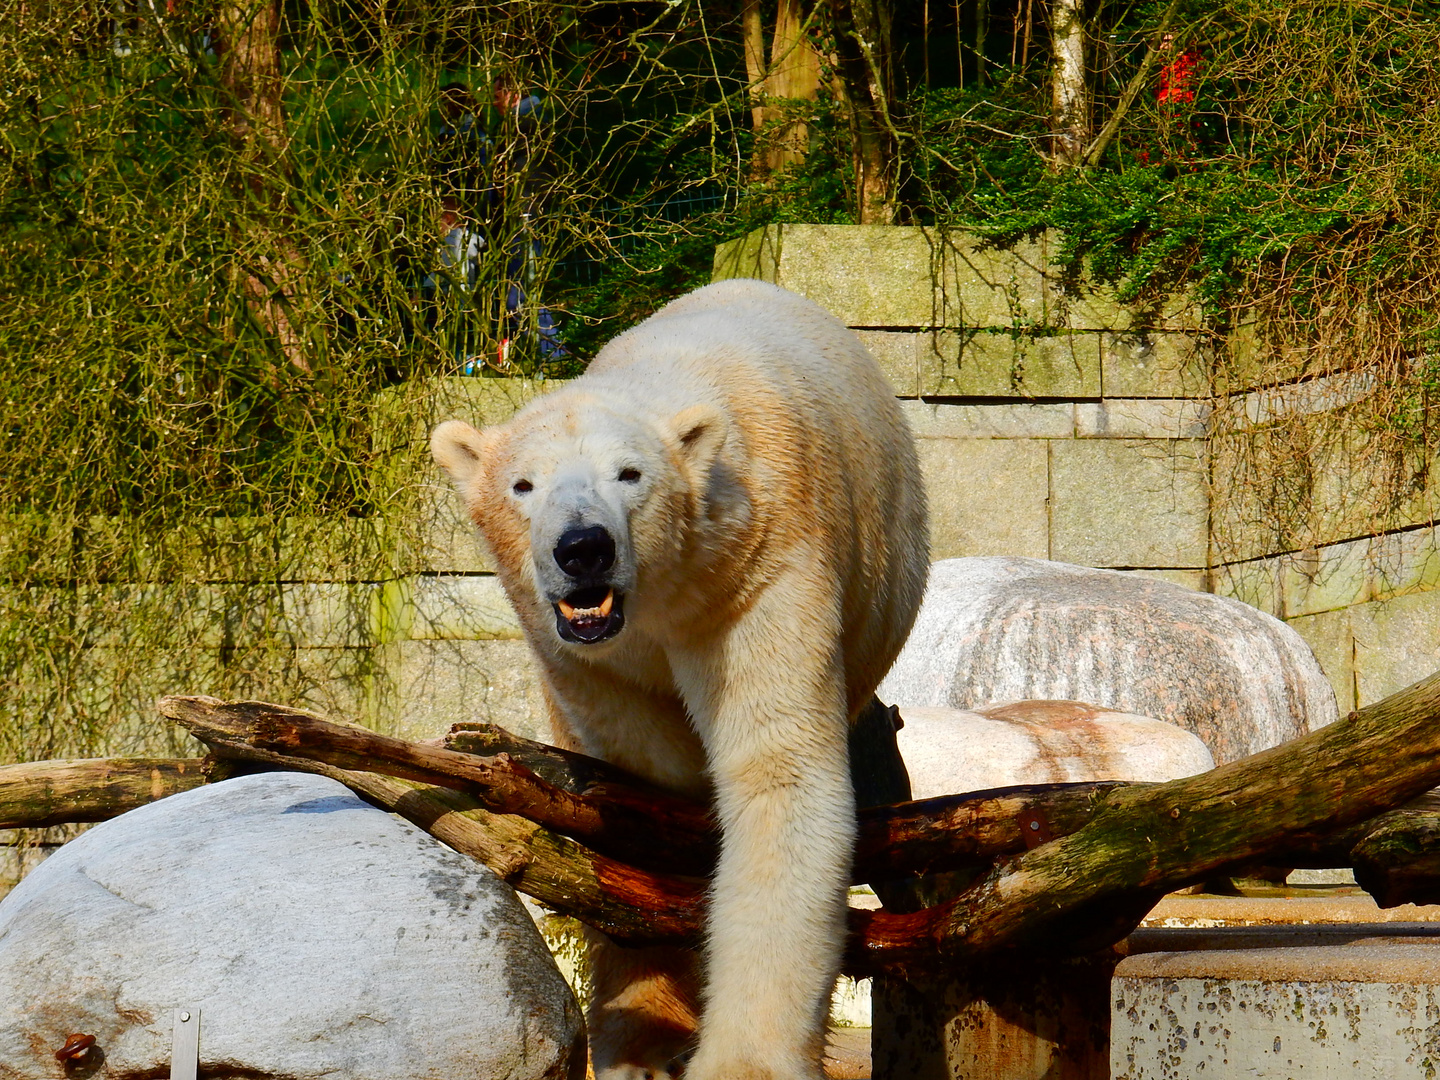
[522, 486]
[629, 476]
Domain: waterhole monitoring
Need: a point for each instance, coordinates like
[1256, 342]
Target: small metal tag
[185, 1047]
[1035, 829]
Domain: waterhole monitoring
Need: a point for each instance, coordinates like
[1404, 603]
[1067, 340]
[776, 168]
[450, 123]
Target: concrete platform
[1351, 999]
[847, 1054]
[1326, 906]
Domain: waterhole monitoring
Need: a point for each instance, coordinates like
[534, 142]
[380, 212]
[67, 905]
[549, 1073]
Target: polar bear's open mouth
[590, 615]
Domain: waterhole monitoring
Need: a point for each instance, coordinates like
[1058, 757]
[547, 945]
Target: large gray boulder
[1004, 629]
[317, 936]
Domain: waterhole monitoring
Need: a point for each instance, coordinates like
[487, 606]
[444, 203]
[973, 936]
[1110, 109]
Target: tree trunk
[779, 90]
[982, 35]
[862, 47]
[270, 267]
[753, 32]
[794, 78]
[1070, 107]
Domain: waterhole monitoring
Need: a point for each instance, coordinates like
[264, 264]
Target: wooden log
[1399, 864]
[898, 839]
[1081, 892]
[38, 794]
[1070, 895]
[619, 815]
[1397, 861]
[895, 841]
[641, 827]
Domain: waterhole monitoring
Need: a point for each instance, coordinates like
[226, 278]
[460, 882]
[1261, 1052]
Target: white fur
[771, 555]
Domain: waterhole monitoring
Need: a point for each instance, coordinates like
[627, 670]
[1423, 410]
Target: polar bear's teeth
[602, 612]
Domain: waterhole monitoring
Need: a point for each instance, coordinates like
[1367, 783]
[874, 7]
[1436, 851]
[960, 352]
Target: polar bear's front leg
[770, 707]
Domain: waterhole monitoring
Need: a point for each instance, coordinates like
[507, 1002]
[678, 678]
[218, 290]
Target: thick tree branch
[616, 814]
[637, 826]
[38, 794]
[895, 841]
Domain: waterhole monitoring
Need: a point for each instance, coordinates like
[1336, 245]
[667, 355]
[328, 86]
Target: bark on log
[616, 814]
[638, 827]
[1398, 860]
[1087, 890]
[38, 794]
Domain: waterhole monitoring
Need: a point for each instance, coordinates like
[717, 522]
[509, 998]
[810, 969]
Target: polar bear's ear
[701, 430]
[458, 449]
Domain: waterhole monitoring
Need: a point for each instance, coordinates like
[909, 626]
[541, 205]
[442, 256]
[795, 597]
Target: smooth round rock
[950, 751]
[999, 629]
[316, 937]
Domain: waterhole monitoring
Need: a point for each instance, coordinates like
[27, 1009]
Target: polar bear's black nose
[583, 553]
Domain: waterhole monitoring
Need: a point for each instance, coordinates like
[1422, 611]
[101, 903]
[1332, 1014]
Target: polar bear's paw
[660, 1066]
[715, 1069]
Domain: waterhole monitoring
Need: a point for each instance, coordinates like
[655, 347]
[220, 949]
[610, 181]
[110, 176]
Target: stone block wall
[1058, 423]
[1053, 422]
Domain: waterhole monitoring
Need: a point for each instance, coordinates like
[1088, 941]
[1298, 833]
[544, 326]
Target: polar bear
[716, 544]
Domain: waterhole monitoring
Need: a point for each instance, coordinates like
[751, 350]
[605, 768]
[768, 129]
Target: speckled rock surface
[1000, 629]
[1362, 1003]
[317, 936]
[948, 751]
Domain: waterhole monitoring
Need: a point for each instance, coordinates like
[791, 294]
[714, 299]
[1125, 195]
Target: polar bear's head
[585, 507]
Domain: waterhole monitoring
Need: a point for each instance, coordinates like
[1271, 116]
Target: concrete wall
[1056, 422]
